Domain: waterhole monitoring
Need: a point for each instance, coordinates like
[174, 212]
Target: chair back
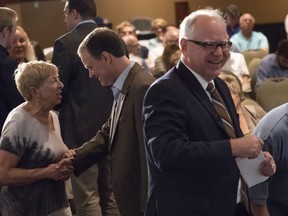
[253, 67]
[272, 92]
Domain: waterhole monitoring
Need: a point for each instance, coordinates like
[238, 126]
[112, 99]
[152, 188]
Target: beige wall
[265, 11]
[44, 21]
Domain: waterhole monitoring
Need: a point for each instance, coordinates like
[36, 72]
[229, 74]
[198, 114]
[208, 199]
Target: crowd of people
[114, 125]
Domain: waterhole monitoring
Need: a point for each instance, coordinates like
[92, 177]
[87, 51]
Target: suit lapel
[193, 84]
[116, 110]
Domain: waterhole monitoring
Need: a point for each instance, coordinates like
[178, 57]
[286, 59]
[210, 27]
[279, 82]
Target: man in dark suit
[191, 157]
[121, 138]
[85, 106]
[9, 96]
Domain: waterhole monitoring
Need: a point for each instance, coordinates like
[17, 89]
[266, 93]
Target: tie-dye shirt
[37, 147]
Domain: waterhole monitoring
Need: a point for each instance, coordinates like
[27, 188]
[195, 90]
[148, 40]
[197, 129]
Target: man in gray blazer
[121, 137]
[85, 106]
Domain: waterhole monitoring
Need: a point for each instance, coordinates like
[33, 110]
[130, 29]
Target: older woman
[22, 49]
[31, 146]
[249, 115]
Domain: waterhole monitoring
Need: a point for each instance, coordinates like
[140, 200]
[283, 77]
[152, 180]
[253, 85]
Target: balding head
[171, 35]
[132, 44]
[246, 23]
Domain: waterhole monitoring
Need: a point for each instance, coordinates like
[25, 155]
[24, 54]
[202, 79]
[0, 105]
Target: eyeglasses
[212, 46]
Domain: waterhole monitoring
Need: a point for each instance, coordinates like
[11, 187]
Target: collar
[83, 22]
[117, 86]
[200, 79]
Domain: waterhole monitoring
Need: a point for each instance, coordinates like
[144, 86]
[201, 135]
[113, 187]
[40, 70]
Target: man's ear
[5, 32]
[184, 46]
[75, 14]
[106, 56]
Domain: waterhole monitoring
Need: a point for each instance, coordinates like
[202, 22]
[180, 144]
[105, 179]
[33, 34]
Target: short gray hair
[187, 25]
[32, 74]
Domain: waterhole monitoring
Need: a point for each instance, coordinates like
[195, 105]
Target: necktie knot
[210, 88]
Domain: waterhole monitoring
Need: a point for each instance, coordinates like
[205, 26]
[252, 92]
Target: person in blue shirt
[274, 65]
[247, 39]
[232, 19]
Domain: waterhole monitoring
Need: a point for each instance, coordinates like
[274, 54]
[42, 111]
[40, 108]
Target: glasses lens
[224, 46]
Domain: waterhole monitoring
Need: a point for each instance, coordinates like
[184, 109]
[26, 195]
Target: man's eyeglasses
[212, 46]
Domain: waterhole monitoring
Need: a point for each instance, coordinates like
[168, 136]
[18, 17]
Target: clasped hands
[64, 168]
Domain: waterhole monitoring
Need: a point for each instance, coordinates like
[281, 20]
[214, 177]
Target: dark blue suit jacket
[9, 95]
[86, 105]
[190, 165]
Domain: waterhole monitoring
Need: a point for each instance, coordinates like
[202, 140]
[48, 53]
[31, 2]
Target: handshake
[62, 170]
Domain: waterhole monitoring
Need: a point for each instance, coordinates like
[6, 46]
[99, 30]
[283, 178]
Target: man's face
[207, 61]
[133, 45]
[11, 34]
[98, 69]
[247, 22]
[68, 18]
[282, 61]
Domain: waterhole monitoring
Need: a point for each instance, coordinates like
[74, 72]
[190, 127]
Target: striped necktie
[221, 109]
[223, 113]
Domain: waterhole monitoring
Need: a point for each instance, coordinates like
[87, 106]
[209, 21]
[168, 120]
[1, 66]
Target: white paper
[249, 169]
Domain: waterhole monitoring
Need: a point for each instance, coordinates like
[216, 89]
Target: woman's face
[18, 50]
[50, 91]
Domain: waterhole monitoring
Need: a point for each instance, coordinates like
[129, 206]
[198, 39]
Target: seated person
[158, 26]
[275, 65]
[237, 64]
[232, 19]
[249, 115]
[127, 28]
[247, 40]
[134, 49]
[171, 36]
[169, 58]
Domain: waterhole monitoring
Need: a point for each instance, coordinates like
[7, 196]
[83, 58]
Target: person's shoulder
[63, 38]
[7, 65]
[17, 116]
[143, 75]
[258, 34]
[255, 110]
[236, 36]
[268, 58]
